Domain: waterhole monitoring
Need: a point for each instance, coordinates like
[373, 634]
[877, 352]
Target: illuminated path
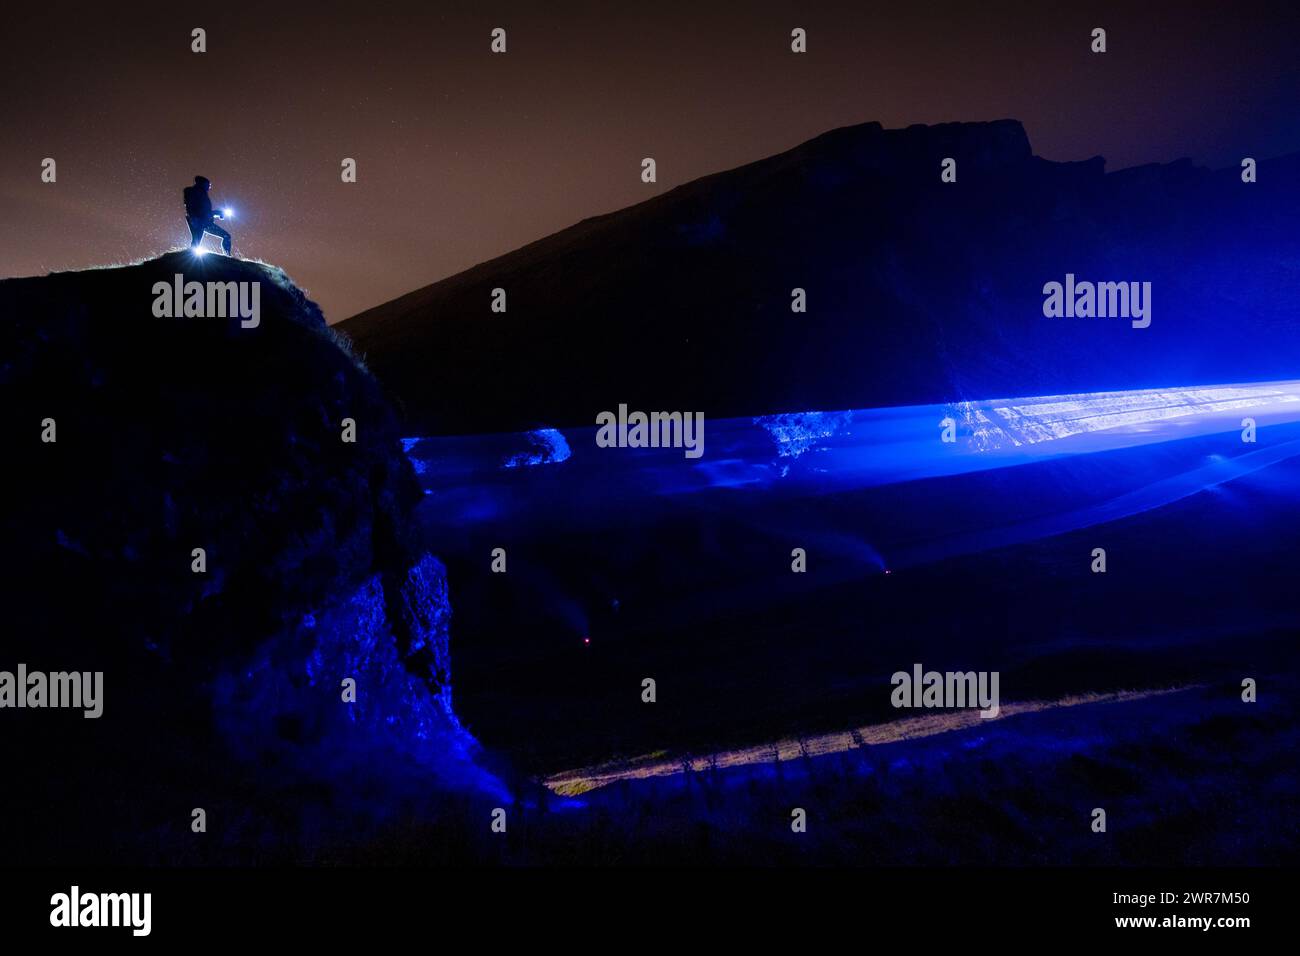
[865, 447]
[761, 474]
[559, 479]
[884, 446]
[572, 783]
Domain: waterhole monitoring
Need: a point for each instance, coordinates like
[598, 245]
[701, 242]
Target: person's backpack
[194, 203]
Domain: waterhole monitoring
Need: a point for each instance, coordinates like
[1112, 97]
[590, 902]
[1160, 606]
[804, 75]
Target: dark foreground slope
[222, 684]
[918, 291]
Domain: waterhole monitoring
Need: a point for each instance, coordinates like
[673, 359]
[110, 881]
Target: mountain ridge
[918, 291]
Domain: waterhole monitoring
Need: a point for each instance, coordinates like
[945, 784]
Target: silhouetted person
[199, 214]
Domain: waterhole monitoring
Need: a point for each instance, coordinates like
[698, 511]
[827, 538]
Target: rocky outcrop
[213, 513]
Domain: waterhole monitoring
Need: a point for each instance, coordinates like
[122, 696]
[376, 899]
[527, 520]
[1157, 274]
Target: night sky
[463, 155]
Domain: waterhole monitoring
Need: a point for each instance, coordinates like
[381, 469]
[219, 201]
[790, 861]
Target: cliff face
[138, 440]
[918, 290]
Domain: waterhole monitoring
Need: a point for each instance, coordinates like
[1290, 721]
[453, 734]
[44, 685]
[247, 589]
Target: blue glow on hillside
[1031, 421]
[548, 447]
[799, 432]
[820, 451]
[487, 482]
